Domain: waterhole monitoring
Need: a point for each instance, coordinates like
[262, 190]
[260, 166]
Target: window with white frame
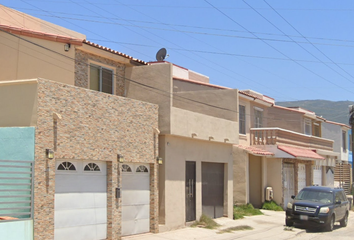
[101, 79]
[308, 129]
[258, 117]
[344, 140]
[316, 129]
[242, 119]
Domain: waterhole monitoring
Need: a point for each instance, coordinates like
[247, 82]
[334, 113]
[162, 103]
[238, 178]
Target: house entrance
[190, 191]
[213, 189]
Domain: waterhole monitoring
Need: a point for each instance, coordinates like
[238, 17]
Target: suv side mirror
[338, 202]
[292, 196]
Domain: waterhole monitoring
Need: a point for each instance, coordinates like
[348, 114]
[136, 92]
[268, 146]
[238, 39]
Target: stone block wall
[82, 66]
[82, 124]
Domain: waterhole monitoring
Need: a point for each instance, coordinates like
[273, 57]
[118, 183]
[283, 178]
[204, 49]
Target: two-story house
[91, 153]
[339, 133]
[198, 127]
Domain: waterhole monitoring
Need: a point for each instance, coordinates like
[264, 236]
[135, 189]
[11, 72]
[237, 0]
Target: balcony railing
[275, 136]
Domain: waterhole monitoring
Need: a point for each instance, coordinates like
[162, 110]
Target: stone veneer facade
[96, 126]
[82, 62]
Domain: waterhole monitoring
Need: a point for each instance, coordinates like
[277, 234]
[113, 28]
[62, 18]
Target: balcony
[278, 136]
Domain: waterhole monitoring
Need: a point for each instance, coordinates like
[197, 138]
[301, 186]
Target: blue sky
[287, 50]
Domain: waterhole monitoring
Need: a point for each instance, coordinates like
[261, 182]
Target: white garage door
[317, 175]
[135, 199]
[301, 176]
[80, 200]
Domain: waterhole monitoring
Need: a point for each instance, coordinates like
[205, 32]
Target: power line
[277, 49]
[310, 42]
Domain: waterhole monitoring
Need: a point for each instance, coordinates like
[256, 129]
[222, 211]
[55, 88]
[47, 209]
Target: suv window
[340, 196]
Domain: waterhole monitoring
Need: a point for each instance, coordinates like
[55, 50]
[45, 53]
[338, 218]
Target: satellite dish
[161, 54]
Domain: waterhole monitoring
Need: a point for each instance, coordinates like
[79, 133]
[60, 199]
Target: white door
[301, 176]
[135, 198]
[289, 186]
[80, 200]
[317, 175]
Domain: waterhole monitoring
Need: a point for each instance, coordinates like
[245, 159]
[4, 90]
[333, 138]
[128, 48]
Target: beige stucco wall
[20, 59]
[18, 19]
[159, 79]
[177, 151]
[255, 180]
[274, 178]
[184, 86]
[18, 103]
[240, 175]
[216, 103]
[186, 123]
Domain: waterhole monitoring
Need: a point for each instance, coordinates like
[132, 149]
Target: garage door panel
[136, 182]
[80, 183]
[135, 226]
[82, 232]
[301, 176]
[135, 212]
[133, 197]
[135, 201]
[81, 203]
[80, 217]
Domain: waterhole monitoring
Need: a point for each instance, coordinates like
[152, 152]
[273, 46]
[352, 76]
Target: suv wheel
[330, 225]
[289, 223]
[344, 221]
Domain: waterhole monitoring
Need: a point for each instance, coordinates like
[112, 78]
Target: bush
[272, 206]
[245, 210]
[205, 222]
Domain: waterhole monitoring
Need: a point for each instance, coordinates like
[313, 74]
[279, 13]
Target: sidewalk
[267, 226]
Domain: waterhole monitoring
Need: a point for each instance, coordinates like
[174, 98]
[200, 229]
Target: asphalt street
[267, 226]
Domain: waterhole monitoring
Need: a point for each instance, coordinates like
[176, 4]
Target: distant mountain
[332, 111]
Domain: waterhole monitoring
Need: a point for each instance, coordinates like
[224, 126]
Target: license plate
[304, 217]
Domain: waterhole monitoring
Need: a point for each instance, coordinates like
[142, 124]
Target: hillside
[333, 111]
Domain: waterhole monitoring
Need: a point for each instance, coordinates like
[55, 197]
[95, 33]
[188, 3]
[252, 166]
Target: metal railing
[16, 189]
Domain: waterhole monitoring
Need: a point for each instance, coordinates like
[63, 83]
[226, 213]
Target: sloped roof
[41, 35]
[301, 152]
[114, 52]
[255, 151]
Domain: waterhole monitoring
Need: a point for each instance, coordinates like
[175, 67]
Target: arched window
[66, 166]
[126, 168]
[142, 168]
[92, 167]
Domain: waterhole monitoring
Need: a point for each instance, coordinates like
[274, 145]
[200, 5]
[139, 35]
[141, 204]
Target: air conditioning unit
[269, 194]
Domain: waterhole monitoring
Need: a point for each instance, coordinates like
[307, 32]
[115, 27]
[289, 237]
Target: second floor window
[258, 117]
[242, 119]
[316, 129]
[308, 130]
[101, 79]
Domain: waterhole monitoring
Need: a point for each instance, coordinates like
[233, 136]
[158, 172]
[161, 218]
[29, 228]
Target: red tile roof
[41, 35]
[255, 151]
[113, 51]
[340, 124]
[301, 152]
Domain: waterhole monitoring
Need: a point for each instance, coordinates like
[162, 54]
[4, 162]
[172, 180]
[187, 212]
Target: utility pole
[351, 122]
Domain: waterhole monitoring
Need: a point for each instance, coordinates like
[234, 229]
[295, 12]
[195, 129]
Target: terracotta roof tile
[114, 51]
[41, 35]
[255, 151]
[301, 152]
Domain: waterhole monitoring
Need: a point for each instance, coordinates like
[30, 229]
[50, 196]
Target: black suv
[318, 206]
